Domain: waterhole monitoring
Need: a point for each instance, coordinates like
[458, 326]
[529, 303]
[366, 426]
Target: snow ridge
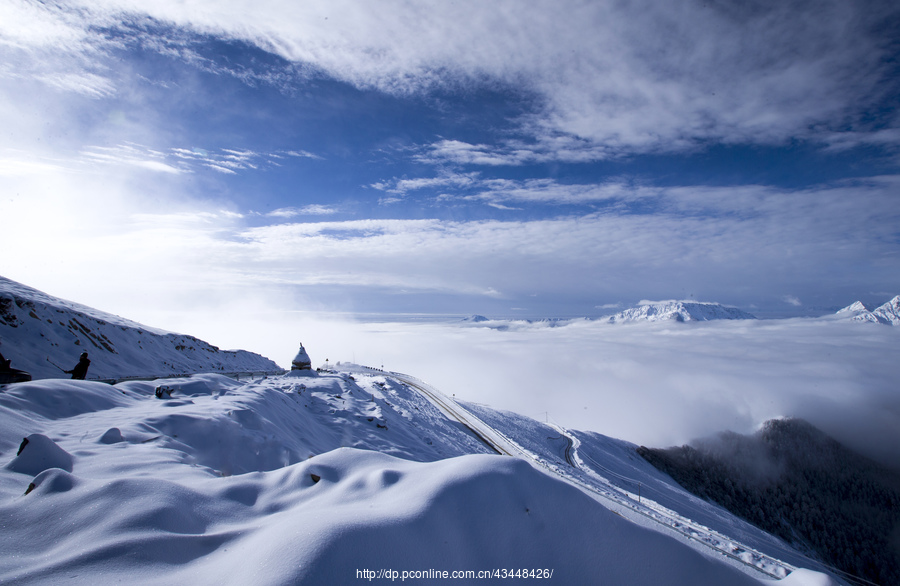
[44, 335]
[10, 289]
[680, 311]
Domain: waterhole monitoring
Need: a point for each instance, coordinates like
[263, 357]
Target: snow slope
[678, 311]
[888, 313]
[43, 335]
[313, 479]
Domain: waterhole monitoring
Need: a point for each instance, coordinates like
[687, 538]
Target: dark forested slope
[794, 481]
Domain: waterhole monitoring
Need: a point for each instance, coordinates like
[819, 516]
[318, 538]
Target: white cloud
[605, 78]
[840, 141]
[89, 84]
[500, 206]
[384, 201]
[463, 153]
[221, 169]
[403, 186]
[175, 159]
[130, 154]
[239, 155]
[498, 192]
[301, 154]
[157, 166]
[550, 191]
[548, 147]
[56, 45]
[309, 210]
[790, 299]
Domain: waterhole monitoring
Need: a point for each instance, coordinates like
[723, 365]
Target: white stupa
[301, 361]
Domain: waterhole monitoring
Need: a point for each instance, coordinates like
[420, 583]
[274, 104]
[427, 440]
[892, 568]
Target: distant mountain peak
[475, 318]
[888, 313]
[855, 307]
[681, 311]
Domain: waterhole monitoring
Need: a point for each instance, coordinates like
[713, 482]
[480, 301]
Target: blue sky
[507, 158]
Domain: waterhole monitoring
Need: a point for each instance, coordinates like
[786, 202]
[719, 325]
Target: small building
[301, 361]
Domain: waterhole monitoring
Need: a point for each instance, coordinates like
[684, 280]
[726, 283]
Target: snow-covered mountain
[888, 313]
[44, 335]
[339, 477]
[681, 311]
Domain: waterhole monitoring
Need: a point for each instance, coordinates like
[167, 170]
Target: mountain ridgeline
[792, 480]
[44, 335]
[647, 311]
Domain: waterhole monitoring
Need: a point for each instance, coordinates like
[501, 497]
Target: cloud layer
[628, 77]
